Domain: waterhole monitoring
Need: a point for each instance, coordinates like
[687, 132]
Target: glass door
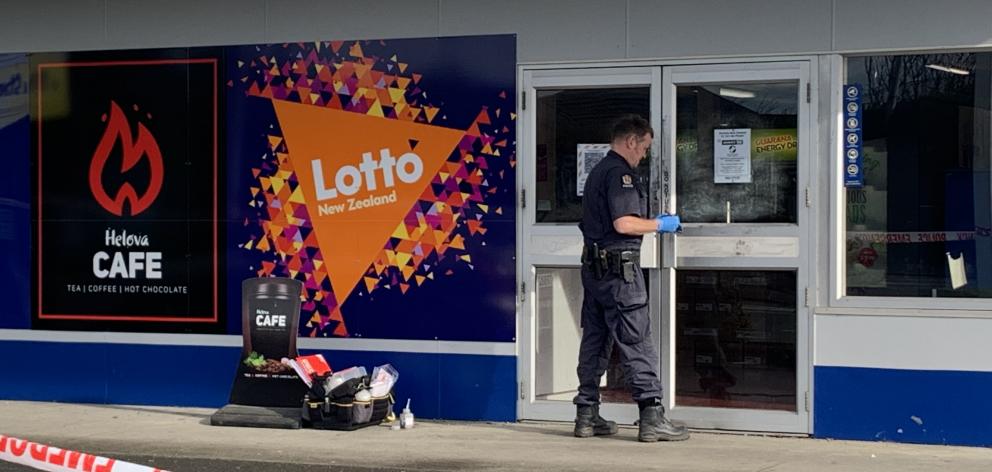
[735, 345]
[565, 126]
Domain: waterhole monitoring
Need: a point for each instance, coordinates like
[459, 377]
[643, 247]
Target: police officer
[614, 307]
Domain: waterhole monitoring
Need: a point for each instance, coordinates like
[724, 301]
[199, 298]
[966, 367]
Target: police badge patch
[628, 181]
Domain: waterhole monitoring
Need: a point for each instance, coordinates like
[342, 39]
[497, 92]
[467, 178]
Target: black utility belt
[619, 261]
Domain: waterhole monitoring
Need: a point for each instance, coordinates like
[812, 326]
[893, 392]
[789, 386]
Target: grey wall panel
[721, 27]
[912, 24]
[308, 20]
[153, 23]
[546, 30]
[32, 26]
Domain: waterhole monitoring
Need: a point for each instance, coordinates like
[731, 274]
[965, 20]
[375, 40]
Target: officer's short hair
[628, 125]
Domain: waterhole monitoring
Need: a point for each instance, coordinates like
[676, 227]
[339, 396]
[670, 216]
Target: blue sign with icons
[853, 163]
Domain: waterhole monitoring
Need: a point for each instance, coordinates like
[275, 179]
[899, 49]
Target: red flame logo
[145, 145]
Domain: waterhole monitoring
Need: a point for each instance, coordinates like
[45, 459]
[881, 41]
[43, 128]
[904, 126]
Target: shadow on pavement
[150, 409]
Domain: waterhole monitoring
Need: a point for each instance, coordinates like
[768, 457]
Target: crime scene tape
[914, 236]
[43, 457]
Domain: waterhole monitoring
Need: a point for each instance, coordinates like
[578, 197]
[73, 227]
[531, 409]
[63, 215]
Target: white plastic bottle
[406, 417]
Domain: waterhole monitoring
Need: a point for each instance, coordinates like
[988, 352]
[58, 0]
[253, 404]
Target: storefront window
[920, 226]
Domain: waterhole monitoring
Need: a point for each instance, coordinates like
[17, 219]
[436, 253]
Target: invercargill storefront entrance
[419, 166]
[727, 295]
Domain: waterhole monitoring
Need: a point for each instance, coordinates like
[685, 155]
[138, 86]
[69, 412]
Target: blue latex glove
[669, 223]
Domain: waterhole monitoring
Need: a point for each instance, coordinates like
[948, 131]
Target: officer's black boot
[653, 426]
[588, 423]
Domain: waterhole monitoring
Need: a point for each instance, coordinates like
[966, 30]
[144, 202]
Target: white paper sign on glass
[732, 156]
[955, 265]
[587, 156]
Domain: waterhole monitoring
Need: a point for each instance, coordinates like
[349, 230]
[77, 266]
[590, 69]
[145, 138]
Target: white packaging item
[384, 377]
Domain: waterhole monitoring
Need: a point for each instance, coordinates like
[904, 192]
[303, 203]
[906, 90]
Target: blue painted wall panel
[450, 386]
[478, 387]
[62, 372]
[170, 375]
[915, 406]
[15, 226]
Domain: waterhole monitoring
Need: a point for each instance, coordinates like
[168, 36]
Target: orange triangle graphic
[483, 118]
[353, 229]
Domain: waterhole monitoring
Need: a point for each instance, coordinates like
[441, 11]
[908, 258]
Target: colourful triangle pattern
[446, 222]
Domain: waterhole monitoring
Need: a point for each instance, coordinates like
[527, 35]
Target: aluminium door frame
[526, 132]
[553, 245]
[800, 72]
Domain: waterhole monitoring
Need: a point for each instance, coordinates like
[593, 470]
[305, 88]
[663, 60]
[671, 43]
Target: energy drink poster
[766, 144]
[126, 153]
[381, 175]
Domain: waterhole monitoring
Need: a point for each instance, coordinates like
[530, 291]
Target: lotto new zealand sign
[126, 151]
[380, 175]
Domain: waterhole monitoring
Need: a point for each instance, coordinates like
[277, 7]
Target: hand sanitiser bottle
[406, 418]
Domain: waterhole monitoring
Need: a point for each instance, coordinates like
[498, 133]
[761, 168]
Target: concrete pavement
[182, 439]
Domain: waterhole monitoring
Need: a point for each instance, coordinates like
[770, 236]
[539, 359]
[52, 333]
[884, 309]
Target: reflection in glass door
[556, 346]
[569, 122]
[734, 345]
[736, 339]
[717, 187]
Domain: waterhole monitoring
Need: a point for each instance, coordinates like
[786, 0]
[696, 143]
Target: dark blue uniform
[614, 310]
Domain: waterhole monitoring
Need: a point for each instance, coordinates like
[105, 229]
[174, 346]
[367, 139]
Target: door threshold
[732, 432]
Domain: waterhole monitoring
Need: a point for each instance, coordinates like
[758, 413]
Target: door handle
[668, 248]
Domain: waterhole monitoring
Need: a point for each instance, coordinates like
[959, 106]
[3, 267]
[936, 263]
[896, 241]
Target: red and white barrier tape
[912, 236]
[42, 457]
